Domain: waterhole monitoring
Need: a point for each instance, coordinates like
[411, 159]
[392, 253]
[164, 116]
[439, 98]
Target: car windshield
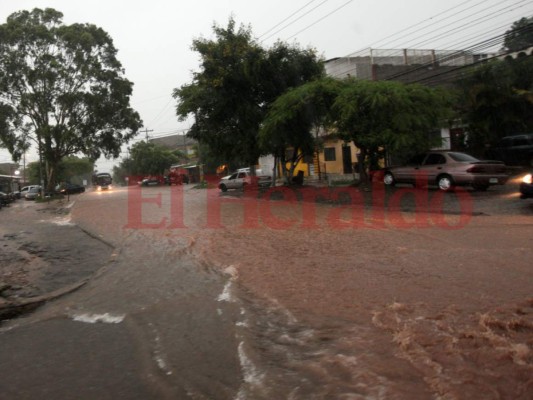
[462, 157]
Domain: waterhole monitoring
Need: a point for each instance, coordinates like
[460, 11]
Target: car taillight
[474, 169]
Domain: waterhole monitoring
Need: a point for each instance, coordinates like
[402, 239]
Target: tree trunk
[361, 162]
[50, 177]
[284, 170]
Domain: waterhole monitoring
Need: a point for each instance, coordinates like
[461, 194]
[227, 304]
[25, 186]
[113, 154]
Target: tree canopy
[520, 36]
[374, 115]
[389, 115]
[62, 87]
[496, 101]
[147, 158]
[238, 79]
[71, 169]
[294, 121]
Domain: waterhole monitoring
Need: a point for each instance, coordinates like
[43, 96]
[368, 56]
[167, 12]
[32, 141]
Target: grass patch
[49, 198]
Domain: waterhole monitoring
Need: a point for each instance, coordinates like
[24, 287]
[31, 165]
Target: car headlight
[528, 179]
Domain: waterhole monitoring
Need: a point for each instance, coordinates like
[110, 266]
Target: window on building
[329, 154]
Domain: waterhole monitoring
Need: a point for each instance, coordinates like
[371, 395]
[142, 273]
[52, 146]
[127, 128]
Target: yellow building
[335, 158]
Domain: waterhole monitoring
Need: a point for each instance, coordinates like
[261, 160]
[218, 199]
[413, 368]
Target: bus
[102, 181]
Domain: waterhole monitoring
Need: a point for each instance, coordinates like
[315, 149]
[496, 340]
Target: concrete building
[430, 67]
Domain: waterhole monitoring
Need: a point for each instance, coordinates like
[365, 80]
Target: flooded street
[211, 296]
[386, 310]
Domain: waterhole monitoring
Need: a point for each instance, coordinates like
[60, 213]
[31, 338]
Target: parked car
[526, 186]
[33, 193]
[6, 199]
[152, 181]
[25, 189]
[514, 150]
[447, 169]
[70, 188]
[241, 178]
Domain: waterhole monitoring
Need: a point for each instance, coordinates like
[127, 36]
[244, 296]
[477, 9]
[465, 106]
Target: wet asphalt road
[155, 322]
[150, 324]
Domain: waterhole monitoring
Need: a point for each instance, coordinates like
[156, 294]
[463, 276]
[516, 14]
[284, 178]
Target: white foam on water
[251, 375]
[226, 294]
[95, 318]
[232, 272]
[63, 221]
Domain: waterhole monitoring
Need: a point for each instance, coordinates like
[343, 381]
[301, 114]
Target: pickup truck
[242, 178]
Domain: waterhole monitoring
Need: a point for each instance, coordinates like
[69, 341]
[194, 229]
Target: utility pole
[146, 130]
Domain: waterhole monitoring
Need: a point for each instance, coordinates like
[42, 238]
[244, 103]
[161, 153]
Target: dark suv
[514, 150]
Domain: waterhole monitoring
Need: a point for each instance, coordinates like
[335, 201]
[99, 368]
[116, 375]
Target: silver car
[33, 193]
[241, 179]
[447, 169]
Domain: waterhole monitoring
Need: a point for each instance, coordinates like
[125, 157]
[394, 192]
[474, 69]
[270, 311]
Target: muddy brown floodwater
[389, 312]
[384, 310]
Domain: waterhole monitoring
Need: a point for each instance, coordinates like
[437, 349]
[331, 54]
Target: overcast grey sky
[153, 38]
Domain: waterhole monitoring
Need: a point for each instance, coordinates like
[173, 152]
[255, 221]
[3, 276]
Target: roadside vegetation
[146, 158]
[63, 89]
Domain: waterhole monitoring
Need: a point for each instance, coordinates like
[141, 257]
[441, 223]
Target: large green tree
[292, 127]
[389, 115]
[62, 87]
[237, 81]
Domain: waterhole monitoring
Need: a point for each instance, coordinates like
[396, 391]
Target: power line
[475, 22]
[286, 19]
[476, 48]
[435, 22]
[426, 20]
[296, 20]
[160, 112]
[484, 17]
[321, 19]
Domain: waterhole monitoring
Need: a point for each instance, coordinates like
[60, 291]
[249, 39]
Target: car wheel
[445, 183]
[480, 187]
[223, 187]
[388, 179]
